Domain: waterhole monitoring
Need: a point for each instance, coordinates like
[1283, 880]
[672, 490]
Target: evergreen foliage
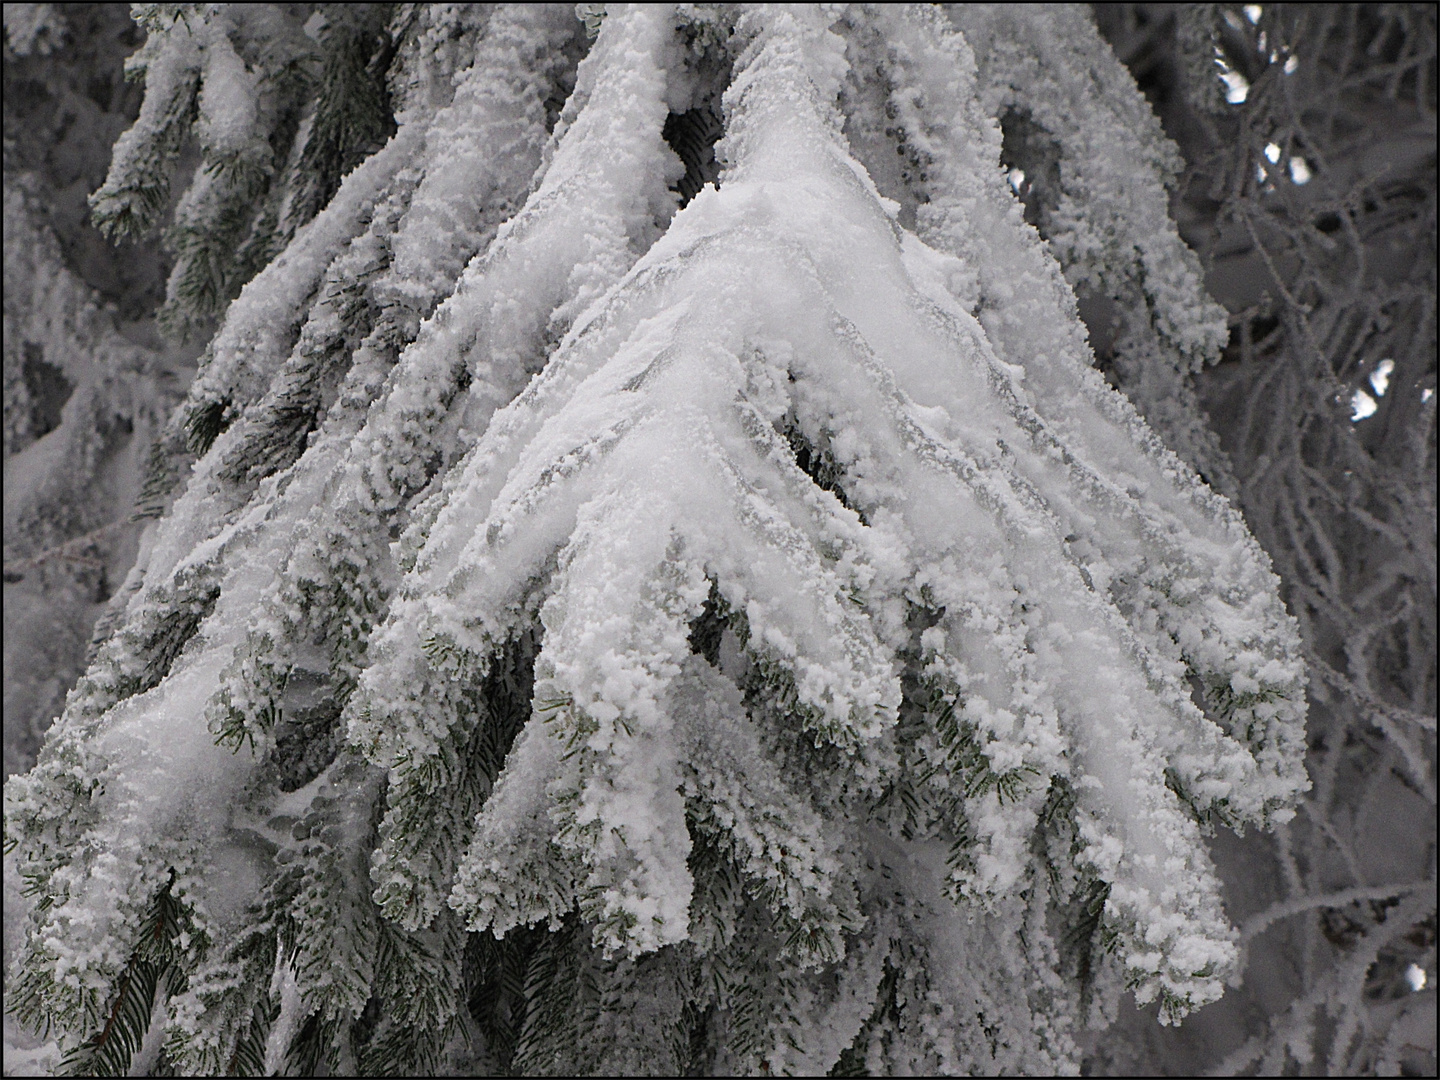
[352, 117]
[596, 636]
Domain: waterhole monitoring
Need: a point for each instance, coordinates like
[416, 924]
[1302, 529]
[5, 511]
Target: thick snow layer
[227, 95]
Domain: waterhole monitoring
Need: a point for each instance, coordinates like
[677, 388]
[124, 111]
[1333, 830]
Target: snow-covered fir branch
[621, 601]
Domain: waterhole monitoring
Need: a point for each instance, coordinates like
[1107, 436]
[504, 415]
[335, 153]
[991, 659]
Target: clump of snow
[228, 92]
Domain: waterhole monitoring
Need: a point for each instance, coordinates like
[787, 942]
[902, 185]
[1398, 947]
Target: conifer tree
[586, 633]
